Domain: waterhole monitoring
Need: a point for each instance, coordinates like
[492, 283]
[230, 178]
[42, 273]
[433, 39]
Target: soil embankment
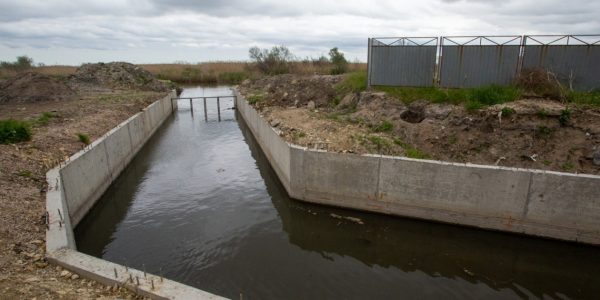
[527, 133]
[58, 110]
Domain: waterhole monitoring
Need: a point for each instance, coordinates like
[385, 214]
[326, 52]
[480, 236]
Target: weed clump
[410, 151]
[385, 126]
[507, 111]
[565, 117]
[253, 99]
[44, 119]
[84, 138]
[14, 131]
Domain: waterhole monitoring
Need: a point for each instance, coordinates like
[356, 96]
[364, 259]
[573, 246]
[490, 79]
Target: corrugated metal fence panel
[402, 65]
[474, 66]
[579, 64]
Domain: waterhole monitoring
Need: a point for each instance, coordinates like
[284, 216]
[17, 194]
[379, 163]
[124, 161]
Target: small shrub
[84, 138]
[272, 62]
[14, 131]
[565, 116]
[22, 63]
[385, 126]
[298, 135]
[507, 112]
[340, 64]
[540, 82]
[544, 130]
[336, 100]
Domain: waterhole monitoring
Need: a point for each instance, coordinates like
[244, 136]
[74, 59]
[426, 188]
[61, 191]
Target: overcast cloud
[153, 31]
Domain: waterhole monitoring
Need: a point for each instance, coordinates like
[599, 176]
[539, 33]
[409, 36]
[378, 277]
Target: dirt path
[528, 133]
[24, 272]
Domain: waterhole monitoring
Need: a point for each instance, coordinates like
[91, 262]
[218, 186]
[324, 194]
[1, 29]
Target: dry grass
[232, 72]
[219, 72]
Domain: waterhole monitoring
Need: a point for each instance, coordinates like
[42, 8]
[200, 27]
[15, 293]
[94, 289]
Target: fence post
[219, 108]
[369, 43]
[205, 112]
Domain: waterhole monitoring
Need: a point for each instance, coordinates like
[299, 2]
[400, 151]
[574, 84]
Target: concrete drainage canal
[199, 204]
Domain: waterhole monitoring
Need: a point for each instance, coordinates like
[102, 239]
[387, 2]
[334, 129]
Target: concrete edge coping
[61, 248]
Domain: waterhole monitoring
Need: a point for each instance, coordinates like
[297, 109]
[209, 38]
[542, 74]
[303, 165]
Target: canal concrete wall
[76, 185]
[542, 203]
[90, 172]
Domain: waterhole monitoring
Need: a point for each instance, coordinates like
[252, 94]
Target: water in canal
[200, 205]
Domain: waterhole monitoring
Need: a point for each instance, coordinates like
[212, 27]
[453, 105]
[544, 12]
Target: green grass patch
[385, 126]
[568, 166]
[410, 151]
[253, 99]
[582, 98]
[14, 131]
[495, 94]
[473, 99]
[378, 141]
[25, 173]
[44, 119]
[353, 83]
[84, 138]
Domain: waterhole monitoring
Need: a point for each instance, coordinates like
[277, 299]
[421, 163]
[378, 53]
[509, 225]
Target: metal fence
[573, 60]
[478, 61]
[402, 61]
[473, 61]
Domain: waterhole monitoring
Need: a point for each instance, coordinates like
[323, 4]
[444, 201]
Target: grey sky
[155, 31]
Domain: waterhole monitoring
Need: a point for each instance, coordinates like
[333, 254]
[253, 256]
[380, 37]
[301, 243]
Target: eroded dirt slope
[528, 133]
[56, 119]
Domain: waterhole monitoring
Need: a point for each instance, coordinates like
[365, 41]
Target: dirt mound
[292, 90]
[529, 133]
[33, 87]
[116, 75]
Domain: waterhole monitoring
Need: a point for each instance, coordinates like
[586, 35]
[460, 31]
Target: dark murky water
[201, 205]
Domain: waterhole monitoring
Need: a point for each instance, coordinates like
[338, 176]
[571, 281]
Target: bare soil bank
[528, 133]
[24, 272]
